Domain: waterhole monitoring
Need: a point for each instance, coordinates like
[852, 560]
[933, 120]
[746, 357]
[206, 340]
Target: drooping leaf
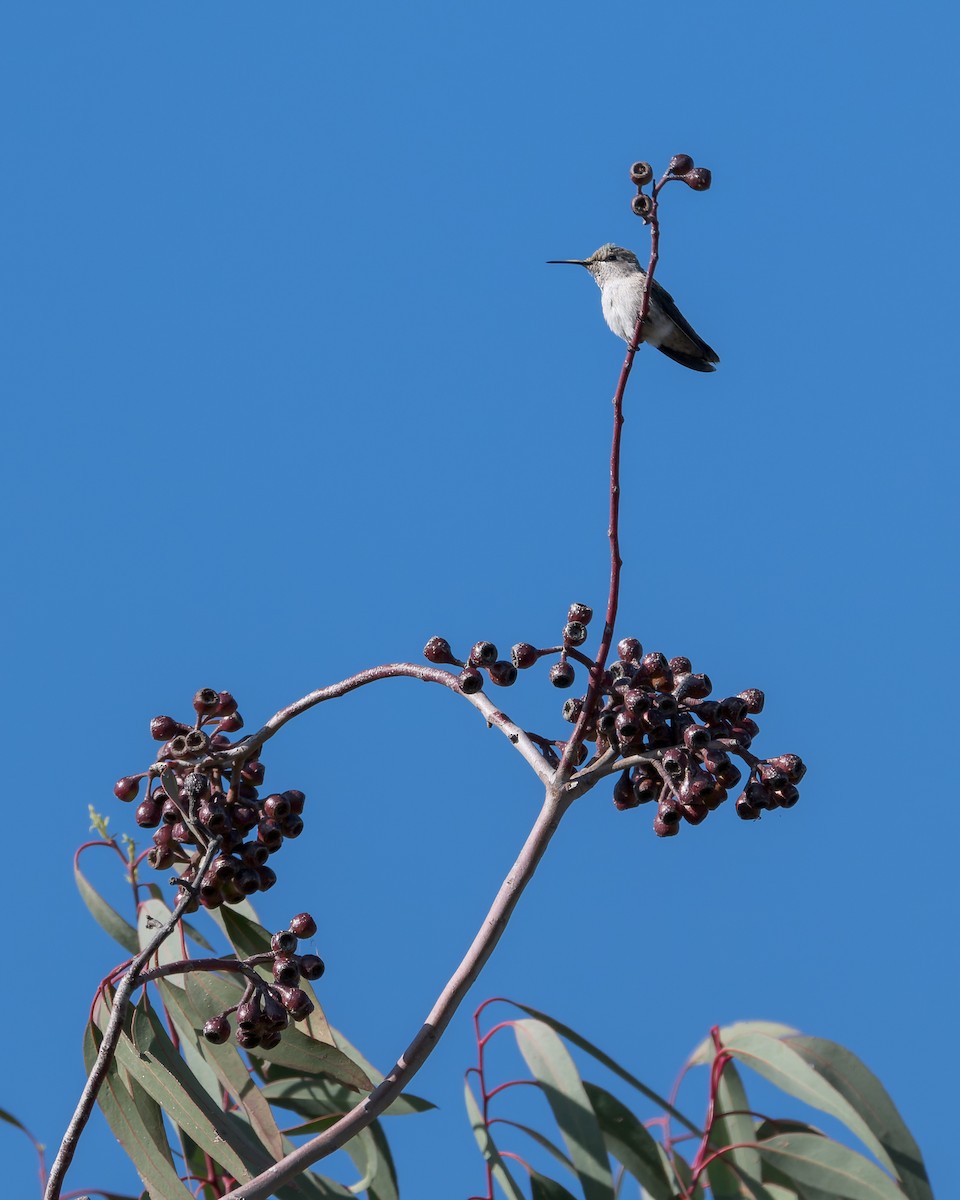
[732, 1126]
[781, 1062]
[558, 1077]
[858, 1085]
[105, 914]
[151, 916]
[544, 1142]
[127, 1109]
[542, 1188]
[705, 1050]
[405, 1104]
[385, 1186]
[581, 1043]
[828, 1166]
[488, 1147]
[631, 1143]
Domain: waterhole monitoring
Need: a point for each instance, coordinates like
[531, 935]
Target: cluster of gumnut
[266, 1009]
[654, 714]
[681, 168]
[191, 800]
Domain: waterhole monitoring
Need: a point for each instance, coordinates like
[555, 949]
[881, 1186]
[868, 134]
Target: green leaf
[488, 1148]
[544, 1142]
[858, 1085]
[150, 916]
[705, 1051]
[542, 1188]
[226, 1063]
[581, 1043]
[828, 1166]
[783, 1064]
[732, 1126]
[631, 1143]
[137, 1123]
[404, 1104]
[559, 1079]
[105, 914]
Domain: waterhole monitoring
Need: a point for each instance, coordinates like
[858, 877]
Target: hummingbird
[620, 279]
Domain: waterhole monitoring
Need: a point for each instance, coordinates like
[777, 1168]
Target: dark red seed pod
[791, 765]
[127, 788]
[483, 654]
[267, 877]
[437, 650]
[754, 699]
[523, 655]
[772, 775]
[205, 701]
[654, 665]
[572, 709]
[195, 742]
[642, 205]
[286, 970]
[211, 893]
[148, 813]
[741, 735]
[580, 612]
[275, 1014]
[276, 806]
[161, 858]
[226, 705]
[629, 650]
[270, 834]
[271, 1039]
[311, 966]
[296, 1002]
[248, 1039]
[745, 810]
[191, 902]
[181, 832]
[680, 164]
[674, 761]
[787, 795]
[695, 737]
[503, 673]
[253, 772]
[636, 700]
[291, 826]
[284, 942]
[729, 775]
[695, 811]
[296, 799]
[170, 812]
[217, 1030]
[245, 816]
[680, 665]
[714, 799]
[574, 633]
[247, 792]
[254, 854]
[230, 723]
[699, 686]
[699, 178]
[248, 1014]
[162, 729]
[758, 795]
[668, 810]
[664, 828]
[224, 868]
[624, 794]
[562, 675]
[666, 705]
[303, 925]
[470, 681]
[247, 880]
[626, 725]
[641, 173]
[733, 708]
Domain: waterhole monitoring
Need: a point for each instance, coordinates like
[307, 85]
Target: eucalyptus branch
[112, 1033]
[555, 804]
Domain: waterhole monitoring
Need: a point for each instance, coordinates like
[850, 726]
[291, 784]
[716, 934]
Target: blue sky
[290, 389]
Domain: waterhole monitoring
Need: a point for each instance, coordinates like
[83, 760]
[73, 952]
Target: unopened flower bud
[437, 650]
[680, 164]
[699, 179]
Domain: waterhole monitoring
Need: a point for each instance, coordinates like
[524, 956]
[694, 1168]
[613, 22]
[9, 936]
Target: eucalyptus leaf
[105, 914]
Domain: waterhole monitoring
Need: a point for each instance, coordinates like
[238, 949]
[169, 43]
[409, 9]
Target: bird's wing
[669, 308]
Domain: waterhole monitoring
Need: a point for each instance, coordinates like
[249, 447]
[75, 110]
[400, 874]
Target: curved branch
[251, 744]
[555, 804]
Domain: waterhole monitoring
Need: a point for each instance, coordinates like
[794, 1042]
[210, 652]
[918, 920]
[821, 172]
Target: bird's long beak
[574, 262]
